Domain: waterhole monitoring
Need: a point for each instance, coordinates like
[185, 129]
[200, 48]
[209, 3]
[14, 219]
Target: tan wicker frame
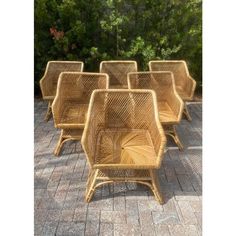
[185, 84]
[123, 139]
[170, 105]
[117, 71]
[71, 103]
[48, 83]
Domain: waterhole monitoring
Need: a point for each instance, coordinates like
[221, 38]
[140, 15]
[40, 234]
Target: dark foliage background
[95, 30]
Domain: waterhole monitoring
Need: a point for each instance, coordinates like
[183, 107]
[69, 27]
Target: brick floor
[123, 209]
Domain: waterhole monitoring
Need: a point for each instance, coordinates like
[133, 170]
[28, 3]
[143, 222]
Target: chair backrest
[80, 85]
[178, 68]
[161, 82]
[53, 70]
[117, 71]
[121, 108]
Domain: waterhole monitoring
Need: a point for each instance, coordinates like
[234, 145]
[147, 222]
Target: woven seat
[185, 84]
[166, 114]
[128, 147]
[123, 139]
[70, 105]
[170, 105]
[48, 83]
[117, 71]
[73, 113]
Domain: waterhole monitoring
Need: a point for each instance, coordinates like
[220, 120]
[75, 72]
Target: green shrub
[97, 30]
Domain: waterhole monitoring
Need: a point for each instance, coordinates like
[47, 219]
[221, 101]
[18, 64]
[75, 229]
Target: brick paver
[122, 209]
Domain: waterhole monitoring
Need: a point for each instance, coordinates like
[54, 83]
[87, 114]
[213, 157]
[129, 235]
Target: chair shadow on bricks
[71, 147]
[181, 174]
[190, 133]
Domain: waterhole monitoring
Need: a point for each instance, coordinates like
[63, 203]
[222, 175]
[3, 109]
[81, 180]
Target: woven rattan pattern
[117, 71]
[185, 85]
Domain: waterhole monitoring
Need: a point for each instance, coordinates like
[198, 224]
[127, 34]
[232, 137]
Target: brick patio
[122, 209]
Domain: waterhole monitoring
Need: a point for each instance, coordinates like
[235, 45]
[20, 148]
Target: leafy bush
[97, 30]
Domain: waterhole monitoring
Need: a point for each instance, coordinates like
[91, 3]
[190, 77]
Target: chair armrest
[93, 125]
[176, 104]
[56, 109]
[43, 85]
[159, 141]
[89, 137]
[190, 86]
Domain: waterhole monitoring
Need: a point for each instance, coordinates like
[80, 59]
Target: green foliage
[97, 30]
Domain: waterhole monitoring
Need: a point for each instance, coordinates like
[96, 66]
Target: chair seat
[73, 115]
[182, 93]
[166, 114]
[123, 146]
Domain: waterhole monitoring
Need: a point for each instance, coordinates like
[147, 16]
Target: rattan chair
[48, 83]
[117, 71]
[71, 103]
[170, 105]
[185, 84]
[123, 139]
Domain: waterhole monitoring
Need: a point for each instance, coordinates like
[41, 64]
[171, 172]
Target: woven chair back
[53, 70]
[80, 85]
[117, 71]
[161, 82]
[178, 68]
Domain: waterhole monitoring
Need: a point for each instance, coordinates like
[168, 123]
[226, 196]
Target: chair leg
[177, 140]
[59, 144]
[49, 112]
[186, 112]
[67, 135]
[156, 187]
[171, 131]
[91, 185]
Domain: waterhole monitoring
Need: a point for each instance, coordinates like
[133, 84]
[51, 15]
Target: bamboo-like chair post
[48, 83]
[185, 84]
[70, 105]
[117, 72]
[170, 105]
[123, 139]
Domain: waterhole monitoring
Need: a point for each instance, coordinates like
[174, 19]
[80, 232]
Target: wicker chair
[48, 83]
[123, 139]
[170, 105]
[185, 84]
[117, 71]
[70, 105]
